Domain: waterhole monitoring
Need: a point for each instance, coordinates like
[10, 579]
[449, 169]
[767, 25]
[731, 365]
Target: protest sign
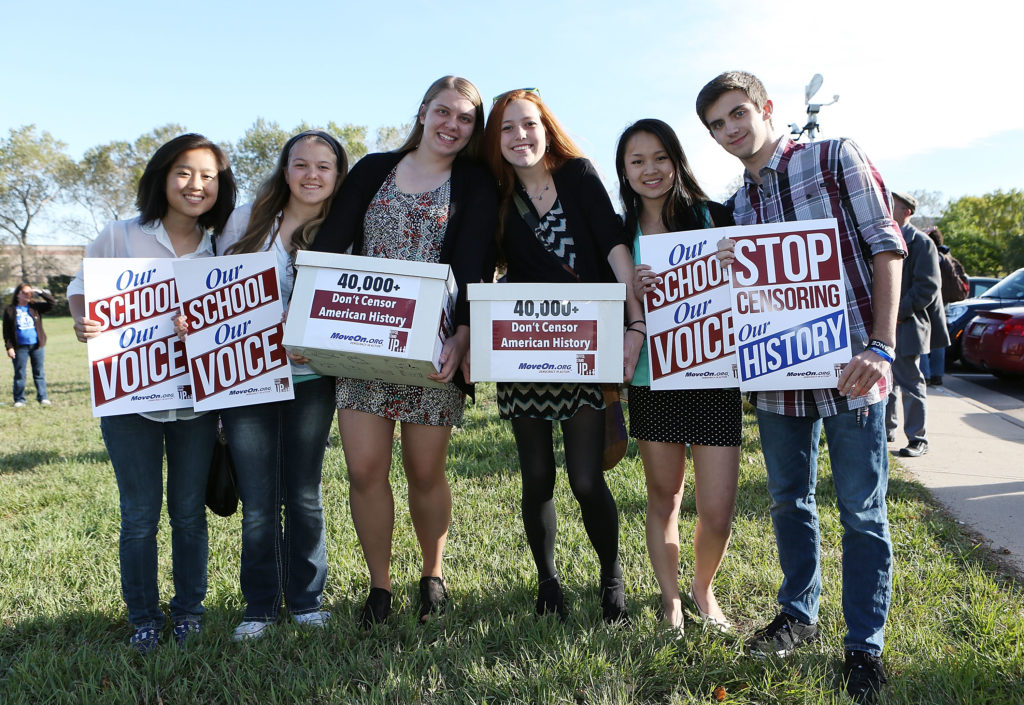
[690, 339]
[546, 332]
[370, 317]
[136, 363]
[233, 309]
[789, 305]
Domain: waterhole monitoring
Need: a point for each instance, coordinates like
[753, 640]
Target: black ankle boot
[376, 608]
[613, 601]
[550, 599]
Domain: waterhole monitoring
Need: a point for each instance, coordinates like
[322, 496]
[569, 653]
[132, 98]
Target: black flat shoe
[376, 608]
[550, 599]
[433, 597]
[613, 601]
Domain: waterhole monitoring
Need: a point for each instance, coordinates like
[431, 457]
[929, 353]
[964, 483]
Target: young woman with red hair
[557, 225]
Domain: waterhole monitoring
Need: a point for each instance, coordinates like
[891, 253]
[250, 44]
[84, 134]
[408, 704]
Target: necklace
[540, 194]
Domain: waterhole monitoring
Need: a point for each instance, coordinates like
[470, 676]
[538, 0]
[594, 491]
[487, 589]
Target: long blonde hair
[274, 193]
[467, 90]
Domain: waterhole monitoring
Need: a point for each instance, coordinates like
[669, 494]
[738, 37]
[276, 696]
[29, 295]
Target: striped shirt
[827, 179]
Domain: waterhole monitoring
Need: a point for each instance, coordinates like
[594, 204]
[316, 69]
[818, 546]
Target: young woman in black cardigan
[427, 201]
[557, 225]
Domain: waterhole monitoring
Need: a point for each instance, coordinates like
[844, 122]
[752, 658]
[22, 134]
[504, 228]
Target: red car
[994, 341]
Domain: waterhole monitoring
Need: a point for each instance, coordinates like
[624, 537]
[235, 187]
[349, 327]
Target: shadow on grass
[24, 461]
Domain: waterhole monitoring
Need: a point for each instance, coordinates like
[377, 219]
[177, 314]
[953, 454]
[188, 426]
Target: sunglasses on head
[535, 91]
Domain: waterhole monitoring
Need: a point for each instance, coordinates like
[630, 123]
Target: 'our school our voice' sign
[690, 339]
[546, 332]
[789, 305]
[371, 318]
[233, 309]
[136, 363]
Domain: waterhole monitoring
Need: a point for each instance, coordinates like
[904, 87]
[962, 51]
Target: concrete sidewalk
[975, 462]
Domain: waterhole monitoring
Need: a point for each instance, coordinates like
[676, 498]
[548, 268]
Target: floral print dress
[406, 226]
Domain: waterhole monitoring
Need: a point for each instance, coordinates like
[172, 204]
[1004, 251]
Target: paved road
[975, 463]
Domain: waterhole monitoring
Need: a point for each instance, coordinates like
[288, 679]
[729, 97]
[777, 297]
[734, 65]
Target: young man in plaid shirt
[784, 182]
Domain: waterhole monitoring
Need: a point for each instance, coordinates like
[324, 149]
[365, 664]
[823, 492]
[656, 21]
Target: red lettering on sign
[694, 343]
[232, 300]
[785, 258]
[238, 362]
[131, 371]
[127, 308]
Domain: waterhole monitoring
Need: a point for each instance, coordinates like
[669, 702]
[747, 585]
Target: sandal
[433, 597]
[550, 599]
[376, 608]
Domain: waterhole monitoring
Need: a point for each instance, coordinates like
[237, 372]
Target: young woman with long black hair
[186, 194]
[660, 194]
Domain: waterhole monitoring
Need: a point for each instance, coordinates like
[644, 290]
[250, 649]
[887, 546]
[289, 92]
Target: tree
[34, 168]
[986, 233]
[254, 155]
[390, 137]
[105, 181]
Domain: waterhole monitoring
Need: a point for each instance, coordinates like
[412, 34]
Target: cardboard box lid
[381, 265]
[542, 290]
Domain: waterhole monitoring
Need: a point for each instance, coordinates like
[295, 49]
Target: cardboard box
[546, 332]
[369, 317]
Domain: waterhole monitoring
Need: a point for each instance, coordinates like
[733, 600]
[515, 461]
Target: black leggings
[583, 438]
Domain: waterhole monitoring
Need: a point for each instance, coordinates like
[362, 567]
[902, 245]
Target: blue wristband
[881, 353]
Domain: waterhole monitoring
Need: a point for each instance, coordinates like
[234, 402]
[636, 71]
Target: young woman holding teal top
[660, 194]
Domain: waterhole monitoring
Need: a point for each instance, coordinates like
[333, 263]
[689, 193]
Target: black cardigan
[36, 309]
[469, 236]
[590, 219]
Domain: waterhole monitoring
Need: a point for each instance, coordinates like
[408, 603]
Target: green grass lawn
[955, 628]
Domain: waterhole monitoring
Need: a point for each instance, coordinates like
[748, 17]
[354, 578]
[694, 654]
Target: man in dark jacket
[920, 327]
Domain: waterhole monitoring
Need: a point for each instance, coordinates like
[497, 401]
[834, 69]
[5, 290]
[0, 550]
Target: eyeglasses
[495, 99]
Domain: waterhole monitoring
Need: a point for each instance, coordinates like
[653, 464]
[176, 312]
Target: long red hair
[561, 148]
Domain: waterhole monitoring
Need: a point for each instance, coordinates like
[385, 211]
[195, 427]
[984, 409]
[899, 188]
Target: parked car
[1008, 292]
[994, 341]
[979, 285]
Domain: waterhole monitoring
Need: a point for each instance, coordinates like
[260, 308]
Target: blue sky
[920, 88]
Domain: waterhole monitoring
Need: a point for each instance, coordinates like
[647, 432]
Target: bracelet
[886, 352]
[634, 330]
[639, 320]
[884, 347]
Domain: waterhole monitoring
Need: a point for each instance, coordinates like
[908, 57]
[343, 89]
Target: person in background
[557, 225]
[955, 286]
[186, 193]
[278, 448]
[428, 201]
[25, 339]
[920, 323]
[660, 194]
[785, 182]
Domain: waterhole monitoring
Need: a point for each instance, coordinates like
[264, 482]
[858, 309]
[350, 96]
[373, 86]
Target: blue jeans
[278, 451]
[933, 364]
[136, 448]
[860, 473]
[22, 354]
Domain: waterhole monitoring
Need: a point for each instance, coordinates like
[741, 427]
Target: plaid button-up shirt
[827, 179]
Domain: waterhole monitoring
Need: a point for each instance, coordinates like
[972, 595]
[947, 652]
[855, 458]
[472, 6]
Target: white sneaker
[19, 404]
[250, 630]
[312, 619]
[45, 402]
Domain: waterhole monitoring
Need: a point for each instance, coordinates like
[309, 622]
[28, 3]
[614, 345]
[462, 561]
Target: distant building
[43, 261]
